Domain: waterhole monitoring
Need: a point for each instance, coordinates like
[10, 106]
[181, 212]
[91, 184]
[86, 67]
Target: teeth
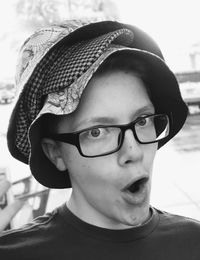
[134, 187]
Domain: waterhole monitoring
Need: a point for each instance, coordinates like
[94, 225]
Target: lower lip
[136, 198]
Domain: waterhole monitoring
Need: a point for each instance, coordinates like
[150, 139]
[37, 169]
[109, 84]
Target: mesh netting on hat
[56, 71]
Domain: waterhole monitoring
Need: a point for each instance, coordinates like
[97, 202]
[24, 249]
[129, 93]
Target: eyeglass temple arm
[70, 138]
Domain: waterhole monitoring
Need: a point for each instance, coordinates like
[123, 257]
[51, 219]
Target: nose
[131, 151]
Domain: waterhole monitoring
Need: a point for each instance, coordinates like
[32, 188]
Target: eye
[143, 121]
[99, 134]
[95, 132]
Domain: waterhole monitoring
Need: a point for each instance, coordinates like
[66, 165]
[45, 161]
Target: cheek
[150, 153]
[88, 171]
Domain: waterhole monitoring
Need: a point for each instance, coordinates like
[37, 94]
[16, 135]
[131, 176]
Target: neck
[99, 219]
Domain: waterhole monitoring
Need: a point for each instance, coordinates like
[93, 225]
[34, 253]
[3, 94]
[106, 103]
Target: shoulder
[33, 239]
[31, 231]
[179, 224]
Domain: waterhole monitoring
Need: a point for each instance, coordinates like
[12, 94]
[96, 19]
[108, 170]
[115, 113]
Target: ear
[53, 153]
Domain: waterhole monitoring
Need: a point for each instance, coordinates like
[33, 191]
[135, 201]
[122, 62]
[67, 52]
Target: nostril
[128, 161]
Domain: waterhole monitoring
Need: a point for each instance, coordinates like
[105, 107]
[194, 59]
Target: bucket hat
[55, 65]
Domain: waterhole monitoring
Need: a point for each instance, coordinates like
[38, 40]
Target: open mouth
[136, 186]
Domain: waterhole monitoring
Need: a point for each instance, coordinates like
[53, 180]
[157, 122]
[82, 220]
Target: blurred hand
[7, 214]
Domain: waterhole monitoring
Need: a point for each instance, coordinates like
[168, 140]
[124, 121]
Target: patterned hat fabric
[48, 77]
[55, 66]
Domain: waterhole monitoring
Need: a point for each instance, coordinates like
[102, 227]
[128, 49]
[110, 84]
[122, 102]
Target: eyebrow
[97, 120]
[110, 120]
[145, 109]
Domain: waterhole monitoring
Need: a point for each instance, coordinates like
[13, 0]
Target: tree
[37, 13]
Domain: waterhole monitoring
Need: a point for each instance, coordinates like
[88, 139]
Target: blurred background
[174, 24]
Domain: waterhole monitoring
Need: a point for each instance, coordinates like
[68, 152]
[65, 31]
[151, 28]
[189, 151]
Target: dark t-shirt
[61, 235]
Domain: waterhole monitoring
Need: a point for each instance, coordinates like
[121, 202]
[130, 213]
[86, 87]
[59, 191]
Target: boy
[97, 102]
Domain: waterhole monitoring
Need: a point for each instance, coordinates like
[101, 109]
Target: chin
[138, 216]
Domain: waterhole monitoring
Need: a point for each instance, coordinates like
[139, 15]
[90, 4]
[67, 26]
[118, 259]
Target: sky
[174, 24]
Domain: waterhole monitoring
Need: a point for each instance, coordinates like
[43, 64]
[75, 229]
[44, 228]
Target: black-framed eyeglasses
[103, 140]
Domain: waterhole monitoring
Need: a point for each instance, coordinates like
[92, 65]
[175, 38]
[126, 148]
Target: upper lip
[126, 187]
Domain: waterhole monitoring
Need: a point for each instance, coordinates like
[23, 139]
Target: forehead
[116, 95]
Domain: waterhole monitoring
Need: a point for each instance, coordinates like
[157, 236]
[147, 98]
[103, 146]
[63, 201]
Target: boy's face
[99, 184]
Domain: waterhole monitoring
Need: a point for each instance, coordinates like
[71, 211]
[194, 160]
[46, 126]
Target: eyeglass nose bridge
[124, 128]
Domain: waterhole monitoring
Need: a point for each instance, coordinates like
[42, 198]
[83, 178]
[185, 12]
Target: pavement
[176, 173]
[176, 182]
